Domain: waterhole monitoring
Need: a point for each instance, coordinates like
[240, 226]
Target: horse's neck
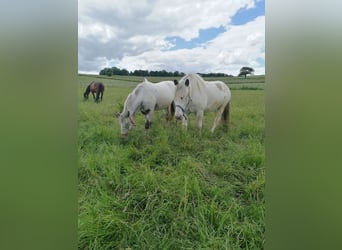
[198, 89]
[198, 98]
[131, 105]
[87, 90]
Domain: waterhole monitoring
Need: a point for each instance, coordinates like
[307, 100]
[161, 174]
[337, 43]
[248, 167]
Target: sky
[199, 36]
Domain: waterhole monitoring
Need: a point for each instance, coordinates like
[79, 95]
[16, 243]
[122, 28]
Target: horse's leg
[148, 122]
[199, 116]
[167, 115]
[217, 118]
[170, 111]
[185, 123]
[93, 95]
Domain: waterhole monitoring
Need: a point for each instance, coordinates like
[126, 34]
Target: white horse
[147, 97]
[193, 94]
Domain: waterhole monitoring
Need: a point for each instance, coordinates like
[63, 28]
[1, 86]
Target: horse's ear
[187, 82]
[175, 81]
[145, 80]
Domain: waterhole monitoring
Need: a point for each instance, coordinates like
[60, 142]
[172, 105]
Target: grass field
[170, 189]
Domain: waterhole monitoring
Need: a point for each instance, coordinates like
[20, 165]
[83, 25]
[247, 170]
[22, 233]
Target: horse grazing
[193, 94]
[147, 97]
[95, 87]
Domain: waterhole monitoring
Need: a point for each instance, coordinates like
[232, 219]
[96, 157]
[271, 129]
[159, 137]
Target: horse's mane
[88, 87]
[196, 82]
[87, 91]
[129, 102]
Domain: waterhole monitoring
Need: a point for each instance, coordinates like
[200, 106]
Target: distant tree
[176, 74]
[116, 71]
[244, 71]
[106, 71]
[153, 73]
[163, 73]
[213, 74]
[140, 72]
[124, 72]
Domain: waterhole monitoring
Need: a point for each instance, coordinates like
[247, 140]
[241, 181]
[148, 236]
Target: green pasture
[171, 189]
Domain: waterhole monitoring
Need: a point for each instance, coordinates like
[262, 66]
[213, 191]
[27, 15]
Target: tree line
[124, 72]
[139, 72]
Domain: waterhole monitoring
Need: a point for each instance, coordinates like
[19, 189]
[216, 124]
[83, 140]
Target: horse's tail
[100, 90]
[226, 114]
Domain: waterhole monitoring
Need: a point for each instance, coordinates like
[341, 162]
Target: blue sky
[242, 17]
[204, 36]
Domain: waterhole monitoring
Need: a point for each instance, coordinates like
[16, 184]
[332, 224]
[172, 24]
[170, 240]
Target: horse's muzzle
[179, 117]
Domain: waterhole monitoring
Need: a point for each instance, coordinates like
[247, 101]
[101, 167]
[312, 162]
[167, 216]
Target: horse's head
[126, 122]
[182, 98]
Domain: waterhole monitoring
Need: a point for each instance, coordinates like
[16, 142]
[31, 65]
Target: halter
[183, 109]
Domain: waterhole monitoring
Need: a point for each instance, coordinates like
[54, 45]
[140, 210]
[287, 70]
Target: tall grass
[171, 189]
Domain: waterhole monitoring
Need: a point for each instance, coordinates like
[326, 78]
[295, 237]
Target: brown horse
[94, 87]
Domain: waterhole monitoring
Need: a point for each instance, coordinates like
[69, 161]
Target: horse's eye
[182, 98]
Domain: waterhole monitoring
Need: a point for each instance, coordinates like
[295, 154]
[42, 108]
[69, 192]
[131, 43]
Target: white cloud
[237, 47]
[132, 34]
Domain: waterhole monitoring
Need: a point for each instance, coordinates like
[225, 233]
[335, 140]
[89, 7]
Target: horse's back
[221, 87]
[160, 95]
[217, 88]
[95, 86]
[165, 93]
[216, 95]
[165, 87]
